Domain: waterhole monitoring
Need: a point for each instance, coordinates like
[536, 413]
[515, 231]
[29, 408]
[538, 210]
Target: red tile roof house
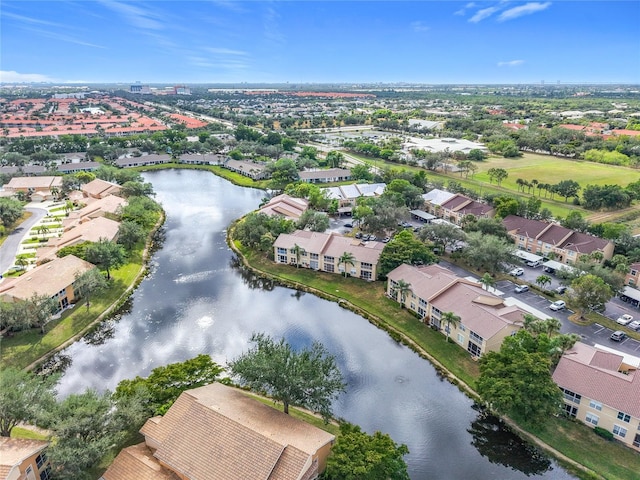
[539, 237]
[217, 432]
[39, 186]
[54, 279]
[109, 205]
[23, 459]
[322, 251]
[99, 188]
[601, 389]
[485, 320]
[458, 206]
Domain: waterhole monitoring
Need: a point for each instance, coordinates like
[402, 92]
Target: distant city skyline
[223, 41]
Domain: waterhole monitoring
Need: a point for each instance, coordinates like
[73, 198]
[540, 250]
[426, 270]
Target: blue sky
[307, 42]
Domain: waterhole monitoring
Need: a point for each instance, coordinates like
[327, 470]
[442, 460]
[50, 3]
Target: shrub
[601, 432]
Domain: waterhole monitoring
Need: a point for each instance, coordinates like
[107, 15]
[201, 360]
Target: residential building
[76, 167]
[108, 206]
[254, 170]
[544, 238]
[325, 176]
[348, 194]
[54, 279]
[485, 319]
[99, 188]
[434, 199]
[92, 230]
[602, 389]
[456, 207]
[22, 459]
[205, 159]
[633, 275]
[286, 206]
[41, 186]
[143, 161]
[322, 251]
[218, 432]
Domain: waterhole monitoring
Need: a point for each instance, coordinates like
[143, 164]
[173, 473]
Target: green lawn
[233, 177]
[27, 347]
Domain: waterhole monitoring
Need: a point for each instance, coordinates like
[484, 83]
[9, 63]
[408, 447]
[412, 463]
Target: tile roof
[137, 462]
[593, 374]
[217, 432]
[14, 451]
[47, 279]
[437, 197]
[328, 173]
[99, 187]
[290, 207]
[36, 183]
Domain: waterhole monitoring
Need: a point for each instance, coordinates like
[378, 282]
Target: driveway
[10, 246]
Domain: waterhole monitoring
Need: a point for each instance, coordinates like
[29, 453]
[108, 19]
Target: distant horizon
[493, 42]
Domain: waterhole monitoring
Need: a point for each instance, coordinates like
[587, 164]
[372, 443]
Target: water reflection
[199, 299]
[499, 445]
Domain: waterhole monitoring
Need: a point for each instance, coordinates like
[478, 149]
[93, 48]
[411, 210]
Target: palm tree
[347, 258]
[298, 251]
[402, 288]
[543, 280]
[42, 230]
[451, 319]
[21, 262]
[488, 281]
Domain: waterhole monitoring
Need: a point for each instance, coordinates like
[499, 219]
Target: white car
[516, 272]
[635, 325]
[625, 319]
[557, 305]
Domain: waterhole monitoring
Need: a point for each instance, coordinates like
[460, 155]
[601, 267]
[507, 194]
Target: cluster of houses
[53, 276]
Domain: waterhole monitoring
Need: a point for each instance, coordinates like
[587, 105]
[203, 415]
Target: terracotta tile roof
[289, 207]
[216, 432]
[137, 462]
[91, 231]
[99, 187]
[524, 226]
[36, 183]
[580, 371]
[47, 279]
[14, 451]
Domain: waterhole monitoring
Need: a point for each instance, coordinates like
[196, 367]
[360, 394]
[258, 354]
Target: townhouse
[348, 194]
[99, 188]
[602, 389]
[23, 459]
[286, 206]
[218, 432]
[325, 176]
[485, 319]
[544, 238]
[322, 251]
[54, 279]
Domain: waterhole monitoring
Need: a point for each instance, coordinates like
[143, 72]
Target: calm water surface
[197, 300]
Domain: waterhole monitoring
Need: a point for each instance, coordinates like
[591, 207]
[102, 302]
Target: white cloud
[11, 76]
[63, 38]
[138, 17]
[225, 51]
[527, 9]
[511, 63]
[464, 9]
[482, 14]
[419, 26]
[31, 20]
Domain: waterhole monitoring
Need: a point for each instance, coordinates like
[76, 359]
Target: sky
[224, 41]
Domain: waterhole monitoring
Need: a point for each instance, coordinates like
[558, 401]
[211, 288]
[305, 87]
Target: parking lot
[591, 334]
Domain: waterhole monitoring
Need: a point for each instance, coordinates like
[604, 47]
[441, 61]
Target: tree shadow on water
[495, 441]
[250, 279]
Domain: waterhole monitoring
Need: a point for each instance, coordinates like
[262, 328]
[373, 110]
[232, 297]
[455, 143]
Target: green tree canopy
[129, 234]
[444, 234]
[314, 221]
[357, 455]
[487, 252]
[24, 397]
[106, 254]
[589, 292]
[307, 378]
[404, 248]
[10, 211]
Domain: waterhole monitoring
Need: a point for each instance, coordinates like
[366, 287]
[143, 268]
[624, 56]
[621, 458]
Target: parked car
[348, 225]
[635, 325]
[534, 263]
[557, 305]
[618, 336]
[521, 288]
[372, 237]
[516, 272]
[386, 239]
[561, 289]
[359, 235]
[625, 319]
[366, 237]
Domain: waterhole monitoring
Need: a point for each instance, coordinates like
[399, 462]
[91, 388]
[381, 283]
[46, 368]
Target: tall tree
[309, 378]
[347, 258]
[444, 234]
[89, 283]
[589, 292]
[450, 318]
[357, 455]
[488, 281]
[106, 254]
[129, 234]
[401, 288]
[486, 252]
[543, 280]
[404, 248]
[24, 397]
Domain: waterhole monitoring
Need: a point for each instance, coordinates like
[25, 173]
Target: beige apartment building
[601, 389]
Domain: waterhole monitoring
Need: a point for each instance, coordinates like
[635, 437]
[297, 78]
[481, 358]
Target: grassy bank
[233, 177]
[560, 436]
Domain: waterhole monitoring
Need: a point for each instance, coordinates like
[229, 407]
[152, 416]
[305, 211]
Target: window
[592, 419]
[314, 256]
[619, 431]
[422, 312]
[571, 396]
[282, 259]
[636, 440]
[474, 349]
[475, 337]
[460, 338]
[46, 473]
[329, 267]
[365, 275]
[282, 251]
[461, 327]
[328, 259]
[436, 312]
[595, 405]
[41, 460]
[366, 266]
[422, 303]
[570, 410]
[625, 417]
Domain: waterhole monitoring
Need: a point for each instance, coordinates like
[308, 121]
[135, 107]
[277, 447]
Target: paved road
[10, 246]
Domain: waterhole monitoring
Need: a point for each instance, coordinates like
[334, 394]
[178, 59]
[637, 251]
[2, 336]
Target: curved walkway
[9, 248]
